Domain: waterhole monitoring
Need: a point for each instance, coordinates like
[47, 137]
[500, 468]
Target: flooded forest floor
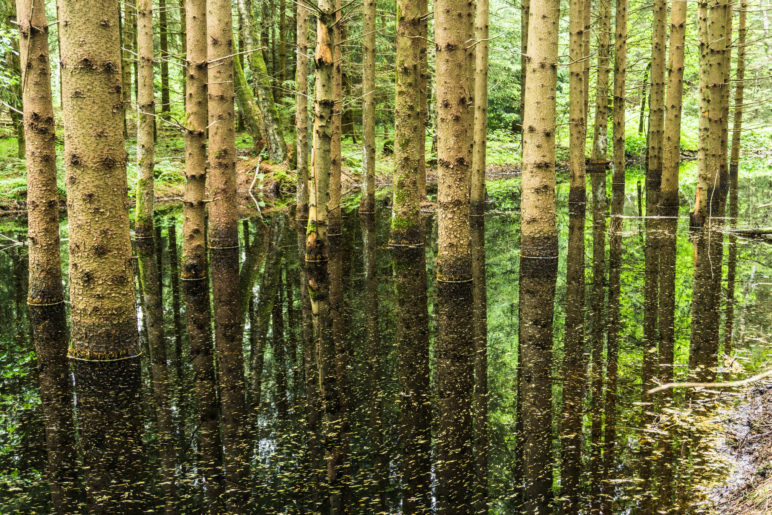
[748, 447]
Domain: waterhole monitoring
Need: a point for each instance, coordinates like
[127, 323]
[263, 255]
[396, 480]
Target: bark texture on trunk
[480, 108]
[734, 164]
[577, 115]
[406, 227]
[455, 344]
[538, 253]
[656, 107]
[319, 184]
[336, 158]
[713, 30]
[103, 317]
[45, 273]
[301, 114]
[143, 223]
[163, 37]
[367, 204]
[600, 131]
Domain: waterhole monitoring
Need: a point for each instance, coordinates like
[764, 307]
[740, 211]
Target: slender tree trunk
[128, 39]
[163, 34]
[644, 94]
[45, 298]
[319, 186]
[577, 114]
[301, 115]
[223, 241]
[146, 117]
[525, 9]
[615, 250]
[575, 361]
[423, 84]
[600, 132]
[195, 278]
[656, 107]
[367, 204]
[336, 157]
[12, 61]
[538, 252]
[282, 75]
[262, 81]
[480, 108]
[183, 46]
[248, 109]
[713, 81]
[406, 227]
[734, 162]
[455, 344]
[587, 59]
[102, 298]
[669, 187]
[481, 444]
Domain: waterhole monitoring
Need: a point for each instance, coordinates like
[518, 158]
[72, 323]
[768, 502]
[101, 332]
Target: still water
[170, 444]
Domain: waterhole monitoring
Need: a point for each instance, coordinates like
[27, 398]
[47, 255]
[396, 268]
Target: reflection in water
[343, 373]
[574, 361]
[412, 341]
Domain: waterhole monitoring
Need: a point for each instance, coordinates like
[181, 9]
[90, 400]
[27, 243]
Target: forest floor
[748, 447]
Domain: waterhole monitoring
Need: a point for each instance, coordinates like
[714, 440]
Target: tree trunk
[713, 81]
[455, 343]
[575, 361]
[538, 252]
[248, 109]
[183, 47]
[277, 149]
[282, 75]
[223, 241]
[734, 162]
[336, 157]
[45, 299]
[367, 204]
[145, 195]
[615, 251]
[163, 34]
[301, 114]
[525, 9]
[644, 94]
[128, 40]
[406, 227]
[600, 132]
[319, 186]
[656, 107]
[577, 114]
[12, 61]
[102, 298]
[480, 108]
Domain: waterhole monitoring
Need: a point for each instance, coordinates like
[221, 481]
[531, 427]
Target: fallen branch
[729, 384]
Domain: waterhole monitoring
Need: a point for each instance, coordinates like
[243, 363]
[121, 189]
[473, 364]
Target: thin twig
[729, 384]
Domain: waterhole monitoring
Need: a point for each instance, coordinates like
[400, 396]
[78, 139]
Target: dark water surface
[157, 447]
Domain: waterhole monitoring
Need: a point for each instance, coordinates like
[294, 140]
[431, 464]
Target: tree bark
[143, 223]
[128, 44]
[406, 227]
[336, 158]
[163, 35]
[45, 298]
[713, 81]
[600, 132]
[301, 115]
[12, 61]
[367, 204]
[101, 275]
[480, 108]
[734, 162]
[455, 345]
[319, 186]
[538, 252]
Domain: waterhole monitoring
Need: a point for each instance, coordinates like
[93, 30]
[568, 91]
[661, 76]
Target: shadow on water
[291, 386]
